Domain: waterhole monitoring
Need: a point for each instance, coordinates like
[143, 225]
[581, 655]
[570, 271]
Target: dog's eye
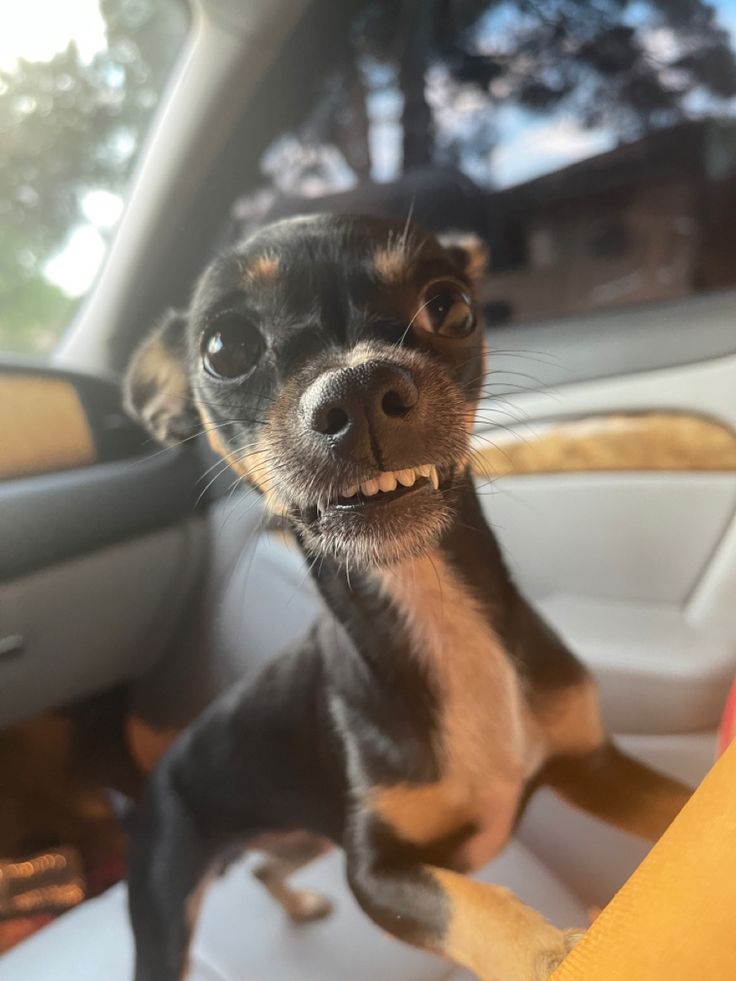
[231, 347]
[446, 310]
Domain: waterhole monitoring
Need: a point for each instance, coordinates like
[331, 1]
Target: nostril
[333, 421]
[394, 404]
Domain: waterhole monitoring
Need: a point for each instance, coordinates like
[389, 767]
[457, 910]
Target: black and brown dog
[336, 363]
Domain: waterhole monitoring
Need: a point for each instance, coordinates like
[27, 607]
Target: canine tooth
[425, 470]
[435, 478]
[406, 477]
[387, 481]
[370, 487]
[351, 491]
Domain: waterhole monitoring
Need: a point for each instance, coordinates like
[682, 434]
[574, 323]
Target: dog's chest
[486, 739]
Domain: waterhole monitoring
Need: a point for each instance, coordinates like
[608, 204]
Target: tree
[630, 73]
[68, 127]
[418, 18]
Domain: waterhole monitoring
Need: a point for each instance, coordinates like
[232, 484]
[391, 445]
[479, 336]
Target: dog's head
[335, 362]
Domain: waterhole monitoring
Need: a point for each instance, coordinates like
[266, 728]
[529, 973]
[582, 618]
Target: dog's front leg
[168, 862]
[620, 790]
[480, 926]
[172, 857]
[202, 808]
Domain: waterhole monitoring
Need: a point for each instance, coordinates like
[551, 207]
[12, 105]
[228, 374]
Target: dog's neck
[366, 602]
[424, 649]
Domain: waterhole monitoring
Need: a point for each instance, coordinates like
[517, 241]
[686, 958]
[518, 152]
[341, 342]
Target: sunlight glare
[37, 29]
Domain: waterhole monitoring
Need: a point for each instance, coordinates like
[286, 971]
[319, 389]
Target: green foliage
[34, 311]
[68, 127]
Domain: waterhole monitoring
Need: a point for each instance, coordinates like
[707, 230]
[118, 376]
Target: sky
[37, 29]
[528, 146]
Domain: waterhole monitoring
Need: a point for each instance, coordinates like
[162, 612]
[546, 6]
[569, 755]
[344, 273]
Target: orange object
[728, 726]
[675, 919]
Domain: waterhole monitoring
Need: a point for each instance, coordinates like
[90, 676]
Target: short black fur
[355, 708]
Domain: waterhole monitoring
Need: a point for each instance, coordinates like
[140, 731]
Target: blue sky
[530, 145]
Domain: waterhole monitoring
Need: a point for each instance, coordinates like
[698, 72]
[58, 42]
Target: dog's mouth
[385, 487]
[389, 515]
[377, 492]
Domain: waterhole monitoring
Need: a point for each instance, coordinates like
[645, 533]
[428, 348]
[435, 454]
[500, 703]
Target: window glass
[79, 83]
[593, 145]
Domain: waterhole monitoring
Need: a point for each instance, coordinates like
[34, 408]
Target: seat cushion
[244, 936]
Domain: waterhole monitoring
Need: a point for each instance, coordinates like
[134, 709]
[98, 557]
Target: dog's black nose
[362, 409]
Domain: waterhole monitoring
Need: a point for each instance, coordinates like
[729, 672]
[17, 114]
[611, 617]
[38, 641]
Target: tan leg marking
[619, 790]
[286, 857]
[494, 934]
[595, 776]
[302, 905]
[146, 743]
[424, 813]
[569, 718]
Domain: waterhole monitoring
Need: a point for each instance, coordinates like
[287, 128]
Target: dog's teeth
[435, 478]
[425, 470]
[387, 482]
[370, 487]
[351, 491]
[406, 477]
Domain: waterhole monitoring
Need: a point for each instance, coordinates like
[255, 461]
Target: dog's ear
[469, 251]
[156, 389]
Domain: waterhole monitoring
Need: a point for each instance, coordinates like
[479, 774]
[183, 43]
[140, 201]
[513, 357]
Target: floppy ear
[156, 389]
[469, 251]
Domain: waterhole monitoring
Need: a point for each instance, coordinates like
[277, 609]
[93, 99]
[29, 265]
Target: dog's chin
[378, 531]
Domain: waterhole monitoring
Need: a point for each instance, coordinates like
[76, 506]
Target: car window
[79, 83]
[593, 145]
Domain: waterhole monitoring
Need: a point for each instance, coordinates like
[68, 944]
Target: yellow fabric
[675, 919]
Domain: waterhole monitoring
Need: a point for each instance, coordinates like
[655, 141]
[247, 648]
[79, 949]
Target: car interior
[138, 582]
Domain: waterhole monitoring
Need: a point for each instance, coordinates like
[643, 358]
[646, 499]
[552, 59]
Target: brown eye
[446, 310]
[231, 347]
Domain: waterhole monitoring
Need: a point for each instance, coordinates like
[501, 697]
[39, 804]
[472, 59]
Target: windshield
[592, 145]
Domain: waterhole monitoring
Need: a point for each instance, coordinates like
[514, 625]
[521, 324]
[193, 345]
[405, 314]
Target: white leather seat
[252, 608]
[243, 934]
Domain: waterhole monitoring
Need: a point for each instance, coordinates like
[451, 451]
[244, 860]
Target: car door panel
[612, 342]
[51, 517]
[92, 622]
[100, 542]
[634, 537]
[617, 499]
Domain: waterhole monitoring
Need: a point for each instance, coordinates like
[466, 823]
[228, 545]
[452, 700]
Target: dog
[336, 362]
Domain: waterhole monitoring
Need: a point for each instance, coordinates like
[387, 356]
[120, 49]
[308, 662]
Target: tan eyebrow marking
[266, 268]
[391, 264]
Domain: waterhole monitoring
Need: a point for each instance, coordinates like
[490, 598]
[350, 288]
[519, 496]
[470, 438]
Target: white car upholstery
[254, 606]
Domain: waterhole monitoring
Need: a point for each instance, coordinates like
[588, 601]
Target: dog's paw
[306, 906]
[573, 938]
[550, 960]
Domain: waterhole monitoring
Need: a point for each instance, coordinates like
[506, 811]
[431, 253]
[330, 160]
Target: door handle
[12, 645]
